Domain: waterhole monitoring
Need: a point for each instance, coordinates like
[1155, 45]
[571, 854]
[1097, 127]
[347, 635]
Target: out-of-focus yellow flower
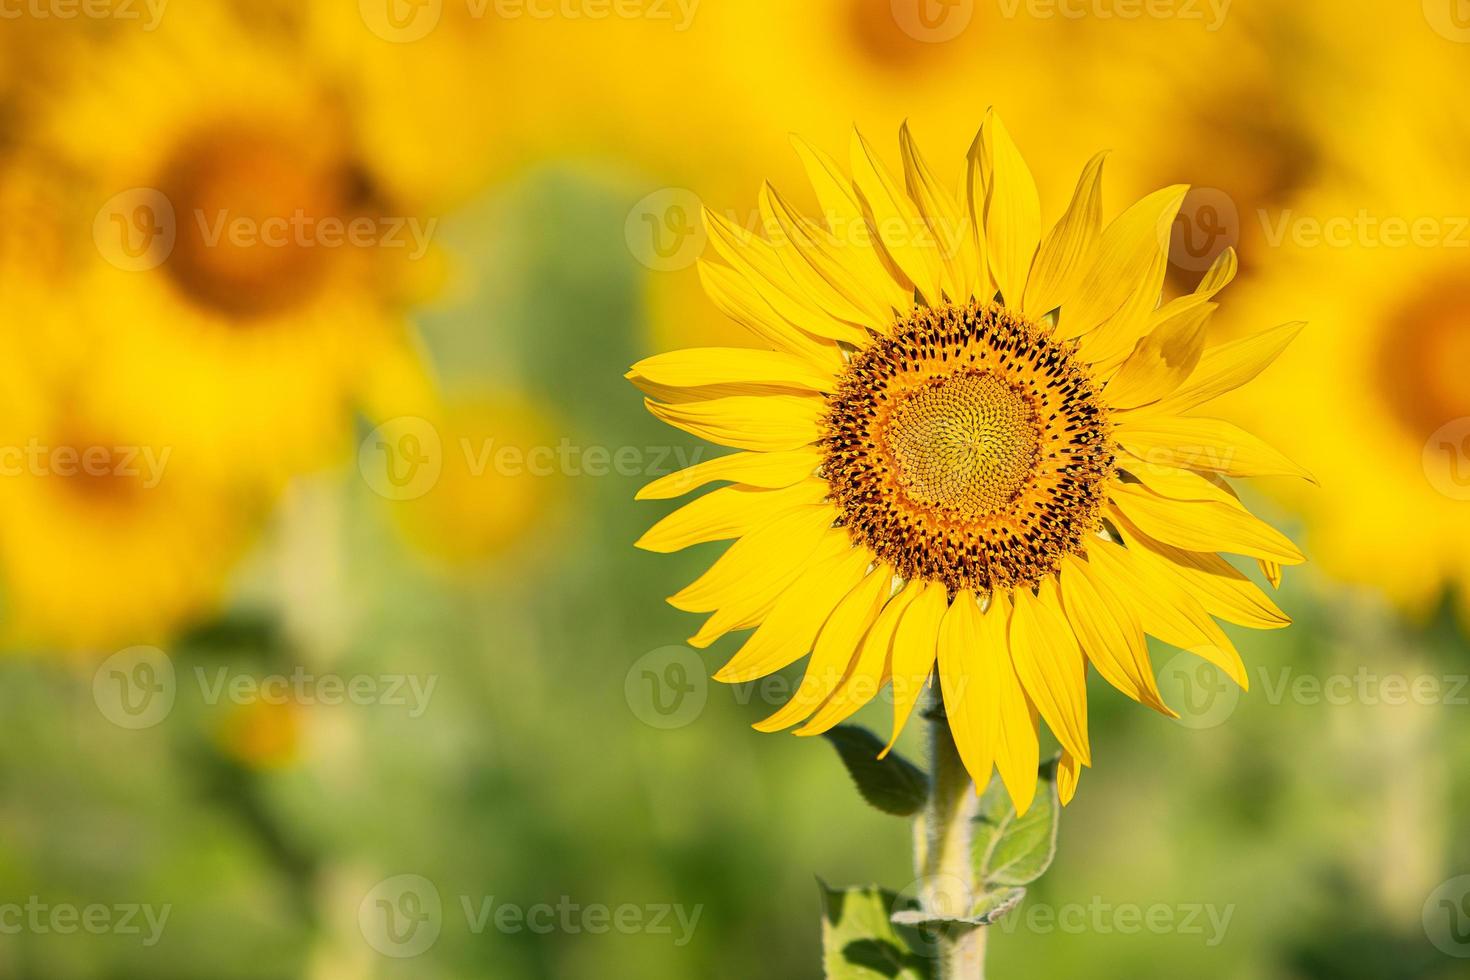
[109, 535]
[247, 272]
[501, 470]
[263, 734]
[1377, 388]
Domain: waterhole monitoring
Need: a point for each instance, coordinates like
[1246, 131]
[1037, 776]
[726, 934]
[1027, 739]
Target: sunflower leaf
[893, 784]
[860, 942]
[1010, 849]
[990, 907]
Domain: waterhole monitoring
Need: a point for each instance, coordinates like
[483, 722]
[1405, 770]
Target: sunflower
[1384, 255]
[109, 535]
[243, 273]
[967, 447]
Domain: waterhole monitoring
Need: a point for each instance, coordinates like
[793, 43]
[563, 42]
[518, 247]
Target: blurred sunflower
[109, 536]
[965, 442]
[249, 273]
[498, 479]
[1382, 257]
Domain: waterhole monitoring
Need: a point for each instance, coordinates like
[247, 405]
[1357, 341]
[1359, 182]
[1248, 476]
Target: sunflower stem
[943, 855]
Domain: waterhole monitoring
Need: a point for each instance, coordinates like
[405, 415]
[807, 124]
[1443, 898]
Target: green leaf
[893, 785]
[859, 942]
[989, 907]
[1016, 850]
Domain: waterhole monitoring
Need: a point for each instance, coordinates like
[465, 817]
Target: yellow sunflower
[966, 441]
[110, 536]
[243, 273]
[1383, 256]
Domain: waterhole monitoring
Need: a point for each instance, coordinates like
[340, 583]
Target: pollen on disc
[969, 447]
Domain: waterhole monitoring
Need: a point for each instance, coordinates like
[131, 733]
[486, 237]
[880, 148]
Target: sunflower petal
[766, 423]
[1228, 366]
[788, 632]
[1127, 274]
[895, 221]
[1069, 248]
[1168, 610]
[866, 678]
[1211, 445]
[1162, 360]
[1204, 525]
[1110, 633]
[750, 604]
[700, 366]
[739, 301]
[728, 512]
[769, 471]
[764, 555]
[1012, 211]
[1017, 748]
[1068, 773]
[1218, 585]
[948, 226]
[915, 647]
[835, 649]
[1050, 666]
[969, 694]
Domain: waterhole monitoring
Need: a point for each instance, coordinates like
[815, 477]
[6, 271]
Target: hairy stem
[945, 865]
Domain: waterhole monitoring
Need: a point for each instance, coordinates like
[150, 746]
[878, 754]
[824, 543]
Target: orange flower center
[970, 448]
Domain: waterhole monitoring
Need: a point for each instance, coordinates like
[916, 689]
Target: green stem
[943, 856]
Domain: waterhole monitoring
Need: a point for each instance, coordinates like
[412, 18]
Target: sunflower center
[1423, 356]
[969, 447]
[250, 209]
[965, 443]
